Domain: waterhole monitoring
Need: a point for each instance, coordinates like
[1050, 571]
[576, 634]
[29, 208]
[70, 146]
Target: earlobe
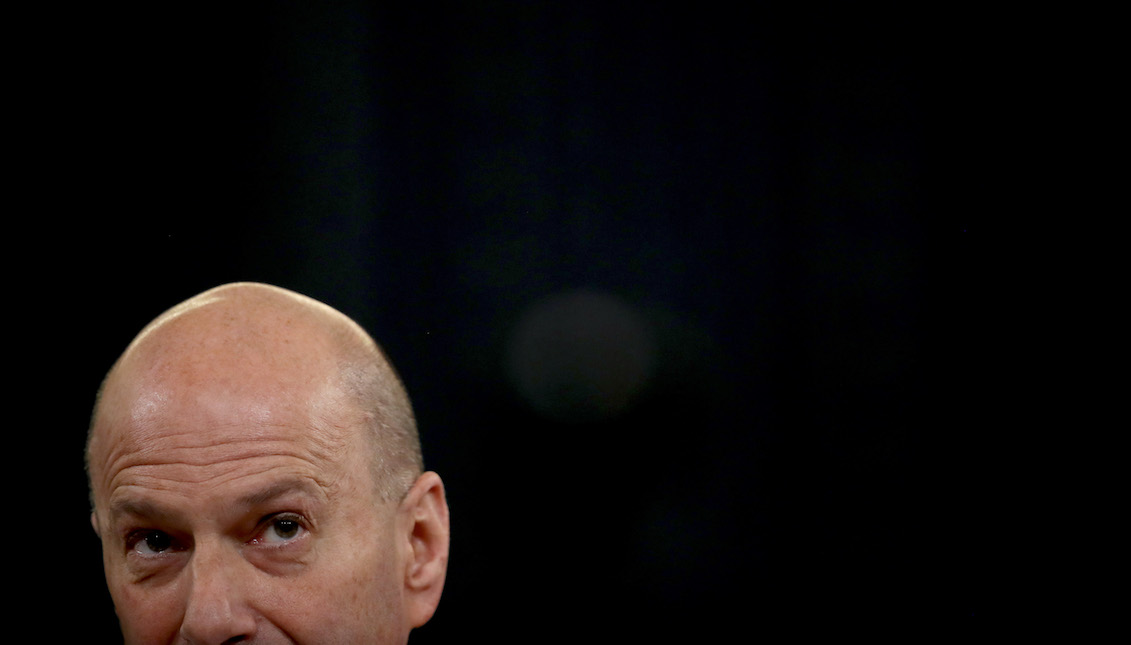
[426, 510]
[94, 524]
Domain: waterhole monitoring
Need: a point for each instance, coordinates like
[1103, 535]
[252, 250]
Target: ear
[94, 524]
[425, 519]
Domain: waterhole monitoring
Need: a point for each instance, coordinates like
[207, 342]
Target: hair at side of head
[368, 376]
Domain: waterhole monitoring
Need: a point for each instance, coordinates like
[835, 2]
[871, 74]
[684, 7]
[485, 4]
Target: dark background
[684, 297]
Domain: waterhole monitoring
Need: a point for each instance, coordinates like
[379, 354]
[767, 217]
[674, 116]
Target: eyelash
[136, 538]
[270, 521]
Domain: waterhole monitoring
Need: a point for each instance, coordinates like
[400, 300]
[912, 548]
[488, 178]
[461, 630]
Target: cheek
[147, 615]
[353, 593]
[351, 610]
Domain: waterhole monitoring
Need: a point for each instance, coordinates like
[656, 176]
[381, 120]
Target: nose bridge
[217, 610]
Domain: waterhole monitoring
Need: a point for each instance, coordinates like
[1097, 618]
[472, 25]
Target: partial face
[230, 509]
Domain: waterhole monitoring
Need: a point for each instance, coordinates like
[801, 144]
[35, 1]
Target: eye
[149, 542]
[281, 529]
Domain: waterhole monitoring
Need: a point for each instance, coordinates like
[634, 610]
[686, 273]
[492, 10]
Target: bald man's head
[264, 346]
[256, 477]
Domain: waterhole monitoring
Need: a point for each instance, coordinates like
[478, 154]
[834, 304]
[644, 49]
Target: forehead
[197, 413]
[179, 438]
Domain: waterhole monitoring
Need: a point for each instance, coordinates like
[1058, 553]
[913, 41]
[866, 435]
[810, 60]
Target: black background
[756, 203]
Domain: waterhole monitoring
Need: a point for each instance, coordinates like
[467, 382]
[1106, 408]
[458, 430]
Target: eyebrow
[148, 509]
[139, 508]
[278, 489]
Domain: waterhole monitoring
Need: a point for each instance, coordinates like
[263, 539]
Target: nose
[217, 610]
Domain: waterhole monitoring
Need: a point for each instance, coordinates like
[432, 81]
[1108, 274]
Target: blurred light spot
[580, 356]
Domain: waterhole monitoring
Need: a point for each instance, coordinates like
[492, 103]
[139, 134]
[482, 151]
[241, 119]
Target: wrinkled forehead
[201, 434]
[188, 384]
[223, 401]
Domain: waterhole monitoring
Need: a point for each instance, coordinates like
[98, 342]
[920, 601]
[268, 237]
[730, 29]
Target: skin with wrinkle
[234, 488]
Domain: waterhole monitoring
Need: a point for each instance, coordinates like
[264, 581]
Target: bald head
[256, 477]
[246, 351]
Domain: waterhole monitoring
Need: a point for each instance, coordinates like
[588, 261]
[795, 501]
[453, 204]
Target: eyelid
[134, 537]
[283, 515]
[268, 521]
